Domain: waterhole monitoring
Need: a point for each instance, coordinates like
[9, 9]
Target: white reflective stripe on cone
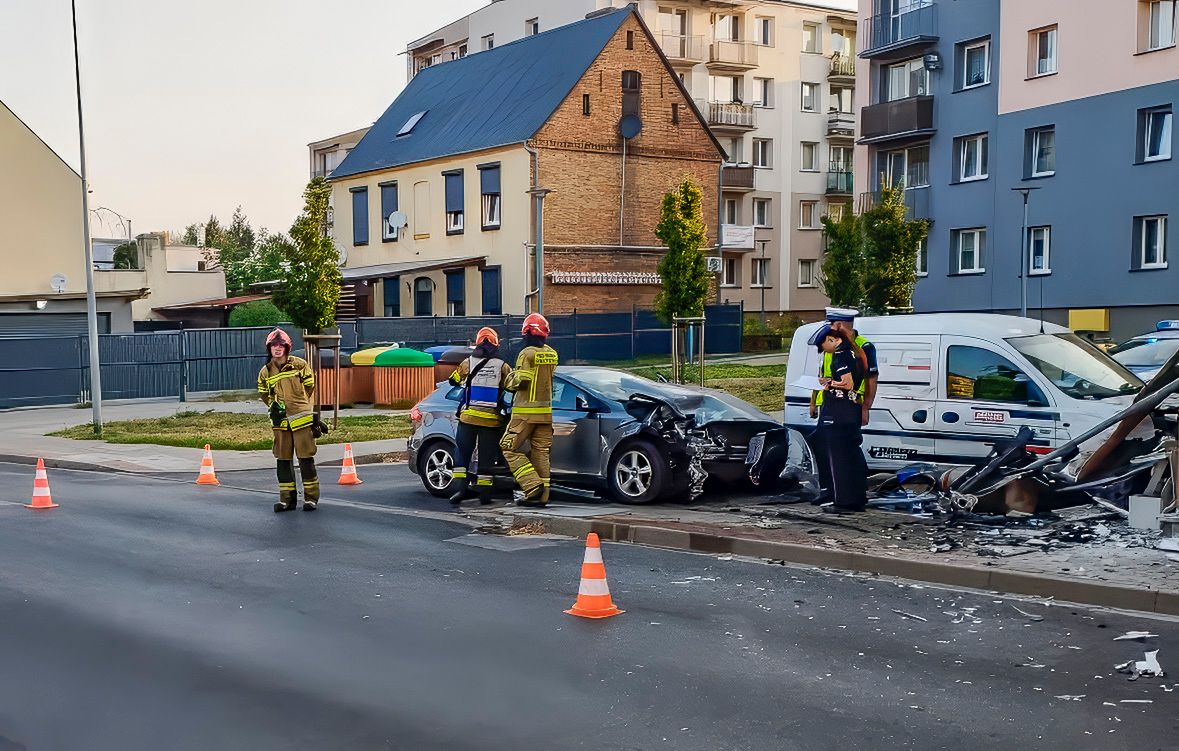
[593, 555]
[593, 587]
[37, 492]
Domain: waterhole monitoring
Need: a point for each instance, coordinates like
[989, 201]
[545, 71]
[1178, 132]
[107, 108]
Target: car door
[900, 430]
[984, 397]
[575, 431]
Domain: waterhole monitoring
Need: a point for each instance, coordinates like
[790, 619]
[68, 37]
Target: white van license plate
[891, 453]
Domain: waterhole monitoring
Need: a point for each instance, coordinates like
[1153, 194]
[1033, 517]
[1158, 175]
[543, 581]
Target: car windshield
[618, 386]
[1076, 367]
[1145, 353]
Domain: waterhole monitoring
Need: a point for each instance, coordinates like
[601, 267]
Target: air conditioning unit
[715, 264]
[933, 61]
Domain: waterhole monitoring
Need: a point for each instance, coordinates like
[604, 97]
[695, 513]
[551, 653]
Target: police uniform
[532, 420]
[479, 421]
[868, 371]
[840, 433]
[289, 390]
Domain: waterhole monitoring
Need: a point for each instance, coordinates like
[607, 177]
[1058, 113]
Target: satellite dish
[630, 126]
[397, 220]
[341, 251]
[58, 282]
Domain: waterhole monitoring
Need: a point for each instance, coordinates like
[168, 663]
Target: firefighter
[532, 413]
[482, 376]
[287, 386]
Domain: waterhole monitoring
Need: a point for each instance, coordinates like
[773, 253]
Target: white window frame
[923, 255]
[807, 263]
[909, 67]
[816, 95]
[843, 102]
[1046, 231]
[759, 273]
[1158, 36]
[763, 89]
[814, 150]
[817, 28]
[763, 153]
[986, 47]
[532, 27]
[454, 221]
[1148, 131]
[487, 42]
[762, 212]
[979, 234]
[835, 211]
[492, 210]
[802, 211]
[733, 216]
[729, 263]
[1045, 66]
[1036, 134]
[764, 28]
[1161, 263]
[984, 169]
[736, 155]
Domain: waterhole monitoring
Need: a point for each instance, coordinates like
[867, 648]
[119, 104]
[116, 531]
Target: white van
[952, 383]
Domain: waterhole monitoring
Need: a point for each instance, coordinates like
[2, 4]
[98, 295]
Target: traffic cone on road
[207, 475]
[593, 596]
[41, 495]
[348, 474]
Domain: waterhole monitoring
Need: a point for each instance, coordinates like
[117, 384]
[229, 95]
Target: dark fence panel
[228, 359]
[136, 366]
[39, 371]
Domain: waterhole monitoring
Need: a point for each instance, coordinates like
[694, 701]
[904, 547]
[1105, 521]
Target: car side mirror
[582, 404]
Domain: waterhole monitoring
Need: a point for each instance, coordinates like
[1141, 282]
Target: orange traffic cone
[207, 475]
[348, 474]
[41, 496]
[593, 596]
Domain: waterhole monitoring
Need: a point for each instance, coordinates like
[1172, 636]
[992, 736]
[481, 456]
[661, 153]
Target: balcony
[731, 116]
[890, 35]
[737, 178]
[681, 50]
[903, 118]
[320, 173]
[734, 56]
[841, 125]
[839, 180]
[843, 69]
[916, 203]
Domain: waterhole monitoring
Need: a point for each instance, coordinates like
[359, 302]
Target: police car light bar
[1167, 326]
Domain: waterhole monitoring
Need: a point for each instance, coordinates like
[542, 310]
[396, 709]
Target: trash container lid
[327, 359]
[367, 356]
[403, 357]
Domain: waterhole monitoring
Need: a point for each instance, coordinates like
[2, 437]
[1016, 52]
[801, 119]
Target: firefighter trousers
[487, 439]
[531, 469]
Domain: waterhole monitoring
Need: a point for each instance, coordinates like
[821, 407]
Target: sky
[192, 108]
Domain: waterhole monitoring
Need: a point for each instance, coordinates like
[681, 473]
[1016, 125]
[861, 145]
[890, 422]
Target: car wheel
[638, 473]
[436, 468]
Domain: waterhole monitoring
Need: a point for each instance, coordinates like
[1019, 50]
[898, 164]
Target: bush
[257, 313]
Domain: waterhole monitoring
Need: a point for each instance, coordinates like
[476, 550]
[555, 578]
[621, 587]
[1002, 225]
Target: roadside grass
[760, 385]
[231, 431]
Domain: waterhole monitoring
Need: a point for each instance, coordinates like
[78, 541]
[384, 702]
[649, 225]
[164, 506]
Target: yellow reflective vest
[825, 372]
[294, 385]
[532, 382]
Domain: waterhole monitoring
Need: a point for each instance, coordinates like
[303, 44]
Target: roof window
[410, 123]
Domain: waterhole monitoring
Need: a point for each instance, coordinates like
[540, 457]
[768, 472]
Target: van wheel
[436, 468]
[638, 473]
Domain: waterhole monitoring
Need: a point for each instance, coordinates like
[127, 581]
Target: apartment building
[327, 154]
[776, 83]
[975, 104]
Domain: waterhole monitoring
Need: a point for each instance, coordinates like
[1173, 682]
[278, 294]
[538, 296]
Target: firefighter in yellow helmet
[287, 386]
[532, 413]
[482, 376]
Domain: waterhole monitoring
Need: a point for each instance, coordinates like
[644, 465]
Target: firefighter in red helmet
[287, 386]
[532, 413]
[482, 377]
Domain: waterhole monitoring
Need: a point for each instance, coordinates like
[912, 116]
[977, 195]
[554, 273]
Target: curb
[1011, 582]
[388, 457]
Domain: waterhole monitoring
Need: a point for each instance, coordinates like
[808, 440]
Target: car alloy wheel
[633, 473]
[439, 469]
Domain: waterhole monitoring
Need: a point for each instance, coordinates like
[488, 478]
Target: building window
[835, 211]
[727, 28]
[972, 154]
[1042, 52]
[454, 202]
[532, 27]
[675, 113]
[810, 38]
[632, 84]
[729, 272]
[630, 40]
[842, 100]
[763, 90]
[905, 167]
[487, 42]
[736, 150]
[842, 43]
[462, 51]
[389, 229]
[490, 193]
[492, 291]
[969, 247]
[761, 212]
[764, 28]
[810, 97]
[391, 291]
[810, 157]
[806, 274]
[726, 89]
[923, 257]
[585, 104]
[1155, 134]
[423, 296]
[761, 273]
[1150, 250]
[808, 214]
[421, 210]
[1039, 246]
[763, 153]
[1158, 18]
[1040, 159]
[905, 80]
[731, 214]
[976, 64]
[456, 292]
[359, 216]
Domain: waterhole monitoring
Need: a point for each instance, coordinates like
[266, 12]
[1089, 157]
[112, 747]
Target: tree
[683, 269]
[240, 235]
[312, 288]
[890, 244]
[842, 274]
[127, 256]
[191, 235]
[257, 313]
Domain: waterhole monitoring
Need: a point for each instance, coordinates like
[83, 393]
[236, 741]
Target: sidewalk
[23, 439]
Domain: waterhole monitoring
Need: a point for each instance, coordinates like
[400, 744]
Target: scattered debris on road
[1138, 668]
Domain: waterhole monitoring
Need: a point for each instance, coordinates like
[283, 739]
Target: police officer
[482, 376]
[839, 430]
[532, 413]
[287, 386]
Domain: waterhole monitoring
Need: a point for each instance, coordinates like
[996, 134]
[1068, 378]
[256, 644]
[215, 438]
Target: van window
[905, 363]
[1076, 367]
[974, 373]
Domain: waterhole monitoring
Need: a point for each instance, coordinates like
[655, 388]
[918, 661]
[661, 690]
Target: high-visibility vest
[825, 371]
[484, 388]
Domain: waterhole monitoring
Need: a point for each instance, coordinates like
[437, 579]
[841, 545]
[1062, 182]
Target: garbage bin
[402, 377]
[363, 388]
[448, 361]
[326, 387]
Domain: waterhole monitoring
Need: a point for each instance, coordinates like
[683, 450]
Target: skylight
[410, 123]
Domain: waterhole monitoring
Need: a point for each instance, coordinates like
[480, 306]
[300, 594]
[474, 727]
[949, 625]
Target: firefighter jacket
[483, 392]
[292, 385]
[532, 382]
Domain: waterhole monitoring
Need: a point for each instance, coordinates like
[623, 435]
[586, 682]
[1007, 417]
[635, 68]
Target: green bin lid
[367, 356]
[403, 357]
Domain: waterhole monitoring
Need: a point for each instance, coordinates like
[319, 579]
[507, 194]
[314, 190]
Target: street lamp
[1025, 191]
[762, 257]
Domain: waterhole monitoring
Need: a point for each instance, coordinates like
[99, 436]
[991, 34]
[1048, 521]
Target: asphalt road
[154, 614]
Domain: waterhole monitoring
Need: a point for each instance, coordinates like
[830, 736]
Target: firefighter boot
[459, 483]
[310, 484]
[288, 497]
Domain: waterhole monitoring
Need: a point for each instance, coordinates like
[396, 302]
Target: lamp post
[1026, 192]
[762, 257]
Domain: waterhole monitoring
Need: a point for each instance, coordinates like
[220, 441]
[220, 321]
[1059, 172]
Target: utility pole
[1024, 262]
[91, 299]
[763, 282]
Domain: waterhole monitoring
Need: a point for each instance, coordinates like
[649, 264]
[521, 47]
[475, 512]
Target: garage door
[42, 324]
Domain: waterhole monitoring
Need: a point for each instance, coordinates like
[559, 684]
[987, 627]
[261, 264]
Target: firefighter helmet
[537, 324]
[488, 335]
[278, 336]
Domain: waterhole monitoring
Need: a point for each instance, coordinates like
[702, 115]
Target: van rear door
[901, 428]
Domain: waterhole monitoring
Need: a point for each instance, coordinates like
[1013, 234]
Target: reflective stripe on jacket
[532, 381]
[484, 393]
[294, 385]
[825, 371]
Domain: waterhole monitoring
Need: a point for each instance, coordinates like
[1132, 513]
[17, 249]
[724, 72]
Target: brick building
[535, 125]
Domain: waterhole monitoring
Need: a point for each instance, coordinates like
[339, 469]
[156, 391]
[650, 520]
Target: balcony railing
[737, 177]
[839, 180]
[841, 124]
[902, 117]
[723, 53]
[731, 115]
[842, 66]
[916, 202]
[681, 46]
[888, 32]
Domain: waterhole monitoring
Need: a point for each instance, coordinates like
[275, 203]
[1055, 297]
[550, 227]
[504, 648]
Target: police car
[1146, 354]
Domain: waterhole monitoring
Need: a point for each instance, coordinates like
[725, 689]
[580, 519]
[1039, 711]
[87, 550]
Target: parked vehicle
[951, 384]
[1145, 355]
[636, 439]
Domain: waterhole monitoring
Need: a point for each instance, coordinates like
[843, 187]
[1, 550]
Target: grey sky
[194, 107]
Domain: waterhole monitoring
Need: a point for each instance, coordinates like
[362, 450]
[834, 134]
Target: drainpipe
[720, 224]
[538, 213]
